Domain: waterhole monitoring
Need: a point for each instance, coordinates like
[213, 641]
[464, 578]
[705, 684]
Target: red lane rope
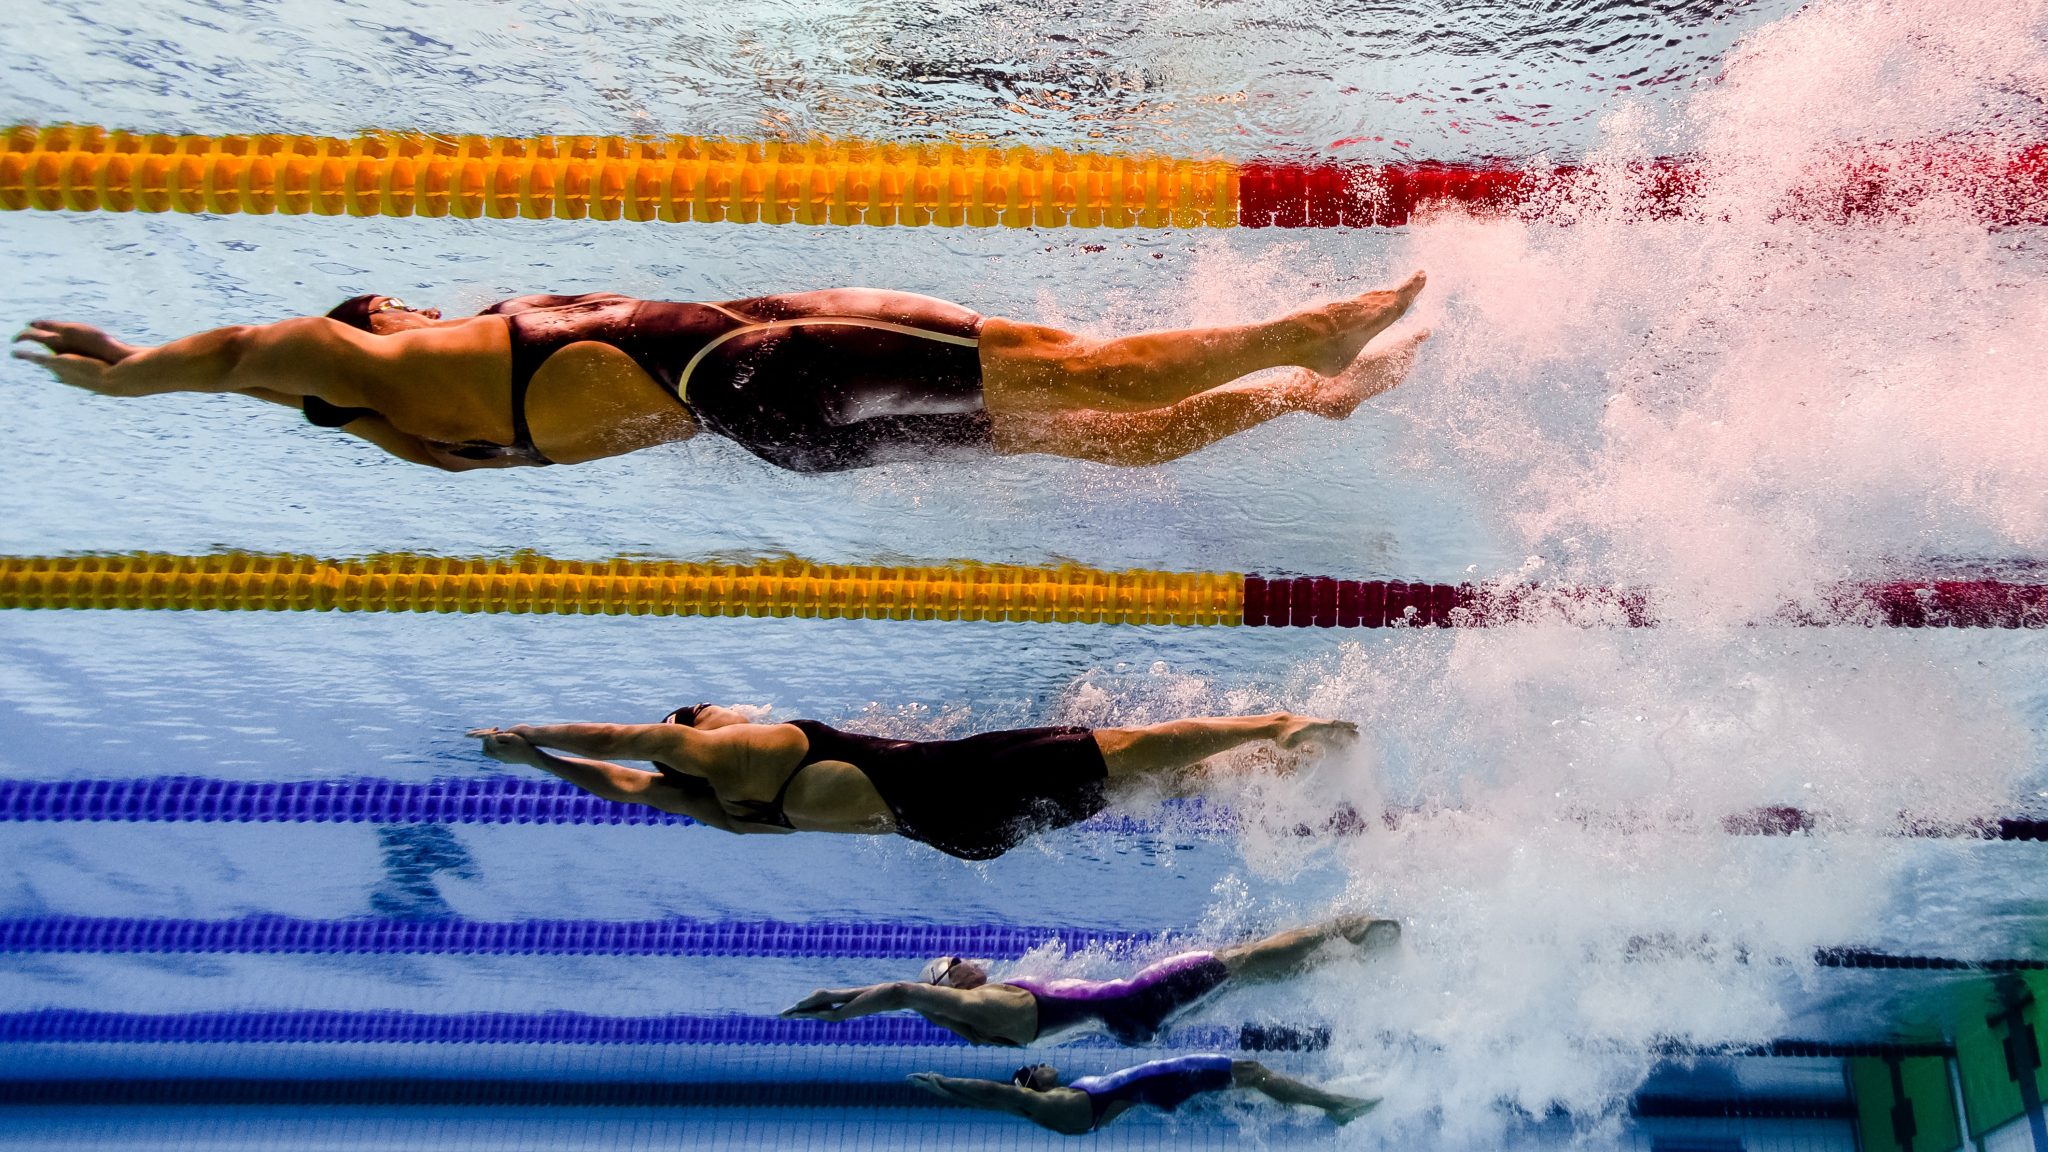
[1327, 602]
[2001, 187]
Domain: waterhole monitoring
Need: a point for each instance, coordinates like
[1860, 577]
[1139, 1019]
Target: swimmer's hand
[77, 340]
[1328, 735]
[79, 354]
[931, 1082]
[824, 1004]
[507, 747]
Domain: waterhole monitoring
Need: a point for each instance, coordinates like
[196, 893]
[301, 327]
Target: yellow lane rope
[673, 179]
[536, 584]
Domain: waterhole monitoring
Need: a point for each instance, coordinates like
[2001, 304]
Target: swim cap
[937, 971]
[355, 311]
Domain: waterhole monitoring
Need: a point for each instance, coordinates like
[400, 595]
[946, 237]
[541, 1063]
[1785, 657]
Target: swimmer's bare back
[811, 382]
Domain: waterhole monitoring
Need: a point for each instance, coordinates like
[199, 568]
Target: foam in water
[1731, 410]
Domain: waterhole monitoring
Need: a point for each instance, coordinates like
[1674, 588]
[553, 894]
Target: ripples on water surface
[1730, 410]
[1371, 79]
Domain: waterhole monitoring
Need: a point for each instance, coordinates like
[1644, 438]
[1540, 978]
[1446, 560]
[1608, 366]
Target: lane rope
[679, 936]
[676, 936]
[85, 168]
[394, 1026]
[1065, 594]
[527, 800]
[428, 1091]
[312, 1026]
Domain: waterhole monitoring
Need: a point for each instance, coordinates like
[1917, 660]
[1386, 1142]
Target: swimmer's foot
[1351, 1109]
[1371, 373]
[1302, 731]
[1369, 934]
[1347, 326]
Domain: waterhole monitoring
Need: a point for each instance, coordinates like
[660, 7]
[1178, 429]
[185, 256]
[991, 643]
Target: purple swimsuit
[1132, 1010]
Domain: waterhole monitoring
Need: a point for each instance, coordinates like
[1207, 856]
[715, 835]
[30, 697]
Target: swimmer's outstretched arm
[306, 355]
[1064, 1110]
[682, 745]
[626, 741]
[615, 782]
[935, 1002]
[842, 1003]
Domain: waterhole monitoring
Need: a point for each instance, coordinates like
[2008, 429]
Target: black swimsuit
[975, 798]
[809, 381]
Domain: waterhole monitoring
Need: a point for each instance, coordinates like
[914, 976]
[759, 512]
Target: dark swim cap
[355, 311]
[686, 715]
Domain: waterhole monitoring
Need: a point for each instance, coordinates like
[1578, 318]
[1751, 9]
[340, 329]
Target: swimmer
[810, 381]
[975, 798]
[956, 995]
[1090, 1102]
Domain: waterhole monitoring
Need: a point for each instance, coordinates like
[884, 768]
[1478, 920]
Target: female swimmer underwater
[956, 994]
[811, 381]
[1035, 1092]
[974, 798]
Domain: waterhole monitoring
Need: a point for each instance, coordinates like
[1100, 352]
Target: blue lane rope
[390, 1026]
[450, 800]
[447, 800]
[521, 800]
[678, 936]
[412, 1091]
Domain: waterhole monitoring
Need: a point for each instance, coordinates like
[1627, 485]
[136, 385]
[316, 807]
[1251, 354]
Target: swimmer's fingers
[77, 371]
[931, 1082]
[80, 339]
[507, 748]
[481, 732]
[817, 1003]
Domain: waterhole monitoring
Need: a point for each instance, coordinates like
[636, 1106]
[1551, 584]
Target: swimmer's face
[719, 716]
[1037, 1077]
[389, 314]
[954, 972]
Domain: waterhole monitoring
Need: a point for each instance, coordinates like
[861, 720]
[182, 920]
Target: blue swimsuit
[1163, 1084]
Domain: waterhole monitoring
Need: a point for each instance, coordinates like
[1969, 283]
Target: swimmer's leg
[1141, 439]
[1287, 954]
[1287, 1090]
[1177, 745]
[1033, 368]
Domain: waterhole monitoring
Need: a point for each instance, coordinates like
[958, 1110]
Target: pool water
[1730, 411]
